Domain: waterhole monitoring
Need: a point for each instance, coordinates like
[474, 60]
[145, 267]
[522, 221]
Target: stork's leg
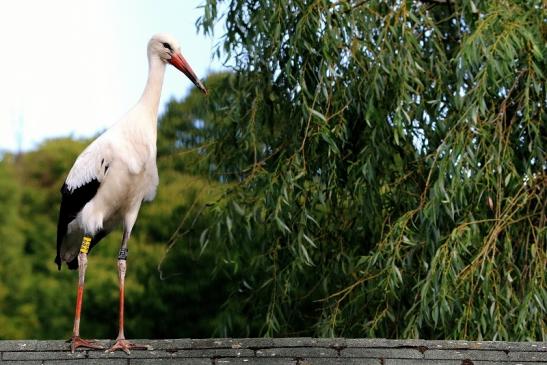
[76, 341]
[121, 342]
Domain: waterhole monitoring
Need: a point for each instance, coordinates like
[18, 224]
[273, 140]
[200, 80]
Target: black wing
[72, 202]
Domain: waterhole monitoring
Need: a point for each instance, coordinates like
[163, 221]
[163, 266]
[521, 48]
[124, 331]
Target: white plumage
[123, 161]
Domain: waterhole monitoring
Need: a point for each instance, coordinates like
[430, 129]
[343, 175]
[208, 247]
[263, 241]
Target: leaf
[238, 208]
[281, 225]
[229, 224]
[310, 241]
[304, 252]
[317, 114]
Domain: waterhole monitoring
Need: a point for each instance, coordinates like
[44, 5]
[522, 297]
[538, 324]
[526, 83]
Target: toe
[76, 342]
[126, 346]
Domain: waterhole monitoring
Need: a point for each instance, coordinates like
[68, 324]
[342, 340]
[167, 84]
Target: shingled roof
[283, 351]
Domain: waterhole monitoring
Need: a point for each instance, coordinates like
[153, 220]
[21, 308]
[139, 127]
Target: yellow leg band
[85, 245]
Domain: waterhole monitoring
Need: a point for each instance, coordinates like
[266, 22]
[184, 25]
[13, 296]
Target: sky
[74, 67]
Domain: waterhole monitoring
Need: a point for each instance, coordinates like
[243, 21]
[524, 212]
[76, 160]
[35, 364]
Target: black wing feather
[72, 202]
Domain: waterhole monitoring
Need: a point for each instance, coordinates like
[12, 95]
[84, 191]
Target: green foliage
[14, 294]
[388, 167]
[188, 128]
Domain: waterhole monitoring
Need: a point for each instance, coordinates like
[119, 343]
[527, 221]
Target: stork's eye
[168, 46]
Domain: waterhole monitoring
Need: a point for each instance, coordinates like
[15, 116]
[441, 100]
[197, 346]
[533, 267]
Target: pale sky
[73, 67]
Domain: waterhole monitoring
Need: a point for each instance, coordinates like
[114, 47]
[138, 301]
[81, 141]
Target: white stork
[111, 178]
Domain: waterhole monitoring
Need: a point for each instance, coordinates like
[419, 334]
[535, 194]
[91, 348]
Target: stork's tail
[69, 244]
[72, 265]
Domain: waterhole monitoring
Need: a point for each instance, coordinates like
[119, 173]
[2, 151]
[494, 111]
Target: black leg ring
[122, 255]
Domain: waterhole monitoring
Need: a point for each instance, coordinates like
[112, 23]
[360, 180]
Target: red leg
[121, 342]
[76, 341]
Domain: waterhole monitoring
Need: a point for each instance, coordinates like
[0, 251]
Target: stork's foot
[126, 346]
[76, 342]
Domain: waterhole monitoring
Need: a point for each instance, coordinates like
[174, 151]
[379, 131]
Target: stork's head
[167, 49]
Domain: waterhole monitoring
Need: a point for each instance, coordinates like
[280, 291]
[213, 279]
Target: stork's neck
[152, 91]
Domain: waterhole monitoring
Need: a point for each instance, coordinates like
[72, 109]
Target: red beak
[179, 62]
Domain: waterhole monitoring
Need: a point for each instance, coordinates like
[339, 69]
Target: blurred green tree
[17, 311]
[388, 168]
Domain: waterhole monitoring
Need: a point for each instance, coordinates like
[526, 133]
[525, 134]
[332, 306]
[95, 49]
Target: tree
[18, 312]
[388, 167]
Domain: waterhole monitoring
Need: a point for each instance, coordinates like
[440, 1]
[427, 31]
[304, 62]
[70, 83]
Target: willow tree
[388, 167]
